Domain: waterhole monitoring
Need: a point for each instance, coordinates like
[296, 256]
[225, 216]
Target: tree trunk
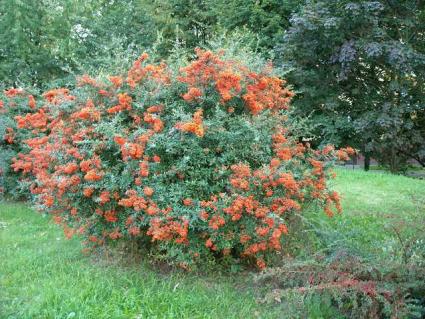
[366, 161]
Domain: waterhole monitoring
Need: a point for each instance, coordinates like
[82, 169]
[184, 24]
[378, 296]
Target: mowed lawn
[43, 275]
[380, 209]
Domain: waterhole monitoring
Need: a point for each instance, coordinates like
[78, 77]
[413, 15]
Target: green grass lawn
[378, 209]
[43, 275]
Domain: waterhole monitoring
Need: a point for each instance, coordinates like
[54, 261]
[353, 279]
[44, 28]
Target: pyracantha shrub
[196, 159]
[13, 102]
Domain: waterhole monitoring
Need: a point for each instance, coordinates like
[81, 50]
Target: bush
[193, 161]
[13, 102]
[346, 286]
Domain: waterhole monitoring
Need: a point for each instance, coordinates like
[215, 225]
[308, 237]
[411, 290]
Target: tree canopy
[360, 69]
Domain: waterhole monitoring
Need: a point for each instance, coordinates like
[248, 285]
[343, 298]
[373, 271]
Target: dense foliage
[192, 22]
[358, 66]
[49, 41]
[361, 68]
[11, 183]
[197, 159]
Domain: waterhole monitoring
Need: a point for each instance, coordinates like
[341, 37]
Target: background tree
[25, 43]
[42, 41]
[183, 23]
[360, 67]
[103, 32]
[268, 18]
